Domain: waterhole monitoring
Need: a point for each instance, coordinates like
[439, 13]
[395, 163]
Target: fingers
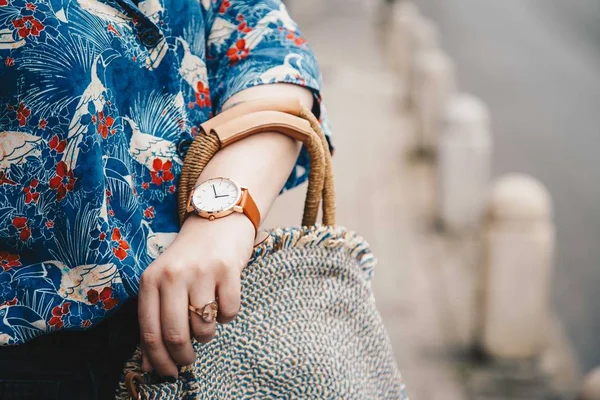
[166, 323]
[175, 321]
[202, 293]
[151, 338]
[228, 292]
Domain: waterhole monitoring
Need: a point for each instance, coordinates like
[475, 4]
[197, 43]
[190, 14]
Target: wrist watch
[219, 197]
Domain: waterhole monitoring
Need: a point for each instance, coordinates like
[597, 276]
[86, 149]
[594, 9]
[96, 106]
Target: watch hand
[223, 195]
[214, 191]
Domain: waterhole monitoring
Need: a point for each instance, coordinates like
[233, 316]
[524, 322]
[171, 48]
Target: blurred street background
[536, 64]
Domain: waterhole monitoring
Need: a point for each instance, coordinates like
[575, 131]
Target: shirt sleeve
[255, 42]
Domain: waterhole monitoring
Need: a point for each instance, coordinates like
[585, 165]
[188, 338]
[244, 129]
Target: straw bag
[308, 326]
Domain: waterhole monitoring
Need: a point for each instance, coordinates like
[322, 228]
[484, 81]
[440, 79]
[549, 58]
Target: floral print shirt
[99, 100]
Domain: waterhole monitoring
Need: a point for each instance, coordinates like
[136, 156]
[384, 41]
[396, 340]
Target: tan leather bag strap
[282, 115]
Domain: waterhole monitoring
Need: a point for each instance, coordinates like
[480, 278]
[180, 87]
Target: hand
[204, 262]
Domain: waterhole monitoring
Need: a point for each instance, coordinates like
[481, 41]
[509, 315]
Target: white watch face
[215, 195]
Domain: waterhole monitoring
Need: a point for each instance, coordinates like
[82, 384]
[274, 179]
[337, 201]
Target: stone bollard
[519, 242]
[464, 158]
[434, 82]
[591, 386]
[424, 37]
[405, 17]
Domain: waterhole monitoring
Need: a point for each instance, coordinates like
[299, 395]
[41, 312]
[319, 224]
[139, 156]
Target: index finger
[150, 331]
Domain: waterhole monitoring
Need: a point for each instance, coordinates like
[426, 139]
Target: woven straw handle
[209, 142]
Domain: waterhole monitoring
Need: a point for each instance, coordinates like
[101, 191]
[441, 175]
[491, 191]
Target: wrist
[234, 225]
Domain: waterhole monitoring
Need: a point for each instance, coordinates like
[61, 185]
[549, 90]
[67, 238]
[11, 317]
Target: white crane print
[192, 68]
[7, 41]
[104, 11]
[281, 72]
[145, 148]
[157, 242]
[221, 31]
[93, 93]
[75, 283]
[152, 10]
[261, 29]
[15, 147]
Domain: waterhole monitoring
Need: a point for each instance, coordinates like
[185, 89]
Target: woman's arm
[207, 257]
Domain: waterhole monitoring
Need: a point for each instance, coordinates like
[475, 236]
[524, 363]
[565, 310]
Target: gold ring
[208, 313]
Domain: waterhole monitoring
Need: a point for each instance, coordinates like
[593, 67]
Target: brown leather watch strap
[250, 209]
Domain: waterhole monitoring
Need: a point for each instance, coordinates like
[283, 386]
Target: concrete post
[405, 17]
[424, 37]
[519, 244]
[591, 386]
[464, 159]
[434, 81]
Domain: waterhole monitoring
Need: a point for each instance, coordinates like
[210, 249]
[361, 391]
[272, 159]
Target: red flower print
[43, 123]
[102, 236]
[202, 95]
[105, 297]
[31, 6]
[28, 25]
[149, 212]
[57, 145]
[10, 302]
[224, 6]
[49, 224]
[56, 322]
[243, 25]
[108, 301]
[145, 185]
[161, 172]
[9, 61]
[238, 52]
[22, 114]
[86, 323]
[4, 180]
[63, 181]
[172, 189]
[3, 3]
[298, 40]
[21, 224]
[8, 260]
[92, 296]
[104, 124]
[111, 28]
[121, 245]
[30, 192]
[105, 293]
[57, 315]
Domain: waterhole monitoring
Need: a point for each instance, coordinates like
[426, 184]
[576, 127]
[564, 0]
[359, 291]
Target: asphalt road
[536, 63]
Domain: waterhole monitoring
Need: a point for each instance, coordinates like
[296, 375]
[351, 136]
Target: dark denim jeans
[71, 365]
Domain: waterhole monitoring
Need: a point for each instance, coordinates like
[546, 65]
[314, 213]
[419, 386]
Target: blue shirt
[99, 101]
